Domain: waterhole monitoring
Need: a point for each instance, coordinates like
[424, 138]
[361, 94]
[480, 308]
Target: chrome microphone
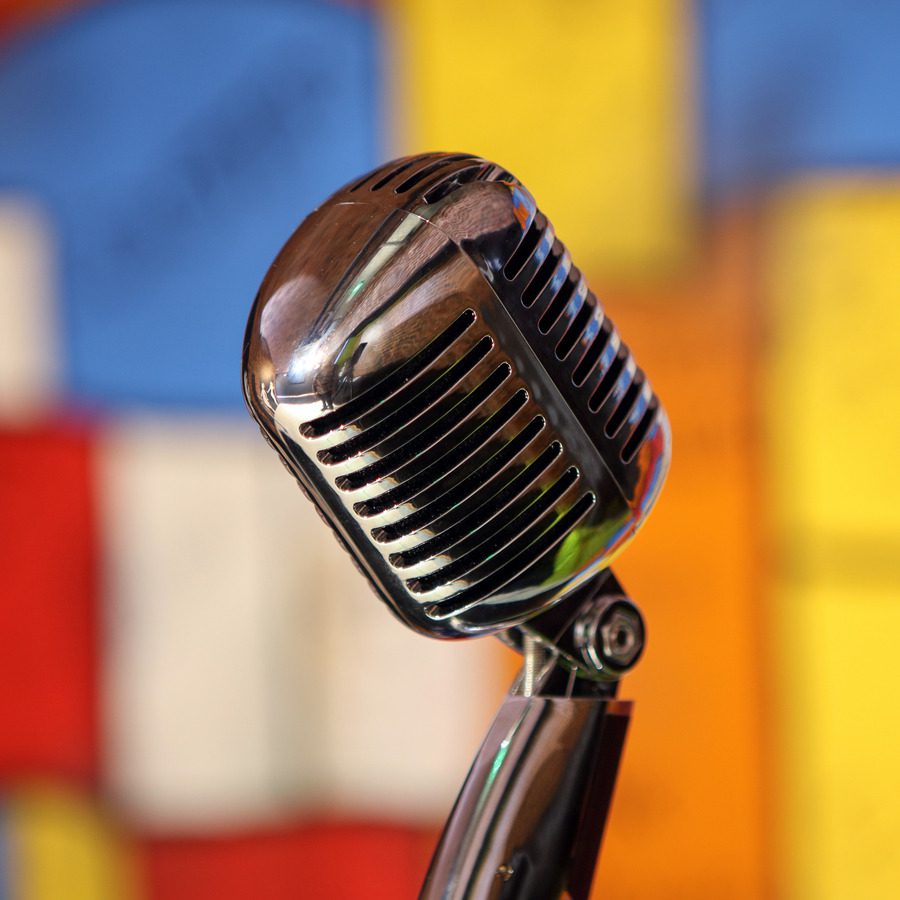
[433, 369]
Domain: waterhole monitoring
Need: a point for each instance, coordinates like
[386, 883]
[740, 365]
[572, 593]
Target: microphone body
[432, 368]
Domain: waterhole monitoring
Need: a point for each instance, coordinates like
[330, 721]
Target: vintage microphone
[434, 371]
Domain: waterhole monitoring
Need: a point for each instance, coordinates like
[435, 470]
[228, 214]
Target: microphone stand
[529, 819]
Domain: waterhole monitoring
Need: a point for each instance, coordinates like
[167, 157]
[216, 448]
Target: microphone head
[435, 372]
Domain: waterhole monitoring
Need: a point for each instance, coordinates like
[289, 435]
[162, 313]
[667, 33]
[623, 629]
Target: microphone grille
[478, 459]
[451, 467]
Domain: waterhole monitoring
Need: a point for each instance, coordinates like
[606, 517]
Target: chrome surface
[529, 819]
[434, 371]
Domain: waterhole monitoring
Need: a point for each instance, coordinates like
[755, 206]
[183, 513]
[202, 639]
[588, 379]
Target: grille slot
[394, 173]
[481, 511]
[575, 329]
[514, 563]
[542, 277]
[365, 178]
[453, 498]
[466, 175]
[413, 408]
[428, 438]
[640, 432]
[425, 171]
[480, 508]
[559, 302]
[390, 384]
[442, 467]
[527, 246]
[615, 421]
[610, 376]
[592, 354]
[478, 548]
[461, 475]
[387, 172]
[444, 175]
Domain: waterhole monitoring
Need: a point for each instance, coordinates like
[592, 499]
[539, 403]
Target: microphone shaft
[529, 819]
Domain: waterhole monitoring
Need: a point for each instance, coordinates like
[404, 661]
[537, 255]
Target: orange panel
[690, 816]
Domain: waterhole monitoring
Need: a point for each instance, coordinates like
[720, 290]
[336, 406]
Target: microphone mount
[529, 819]
[594, 638]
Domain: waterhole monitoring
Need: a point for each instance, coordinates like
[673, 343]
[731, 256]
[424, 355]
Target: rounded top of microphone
[433, 369]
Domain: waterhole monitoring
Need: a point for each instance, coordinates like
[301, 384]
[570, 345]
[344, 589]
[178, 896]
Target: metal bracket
[597, 634]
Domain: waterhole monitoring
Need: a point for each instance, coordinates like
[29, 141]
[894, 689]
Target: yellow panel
[586, 102]
[841, 750]
[835, 373]
[61, 848]
[834, 441]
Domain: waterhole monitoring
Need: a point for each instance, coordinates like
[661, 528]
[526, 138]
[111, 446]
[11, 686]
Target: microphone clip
[581, 646]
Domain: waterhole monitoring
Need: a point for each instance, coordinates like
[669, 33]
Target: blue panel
[176, 146]
[799, 85]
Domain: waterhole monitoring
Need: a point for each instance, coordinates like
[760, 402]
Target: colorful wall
[198, 694]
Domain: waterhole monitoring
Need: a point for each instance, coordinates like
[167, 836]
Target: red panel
[18, 15]
[48, 604]
[340, 861]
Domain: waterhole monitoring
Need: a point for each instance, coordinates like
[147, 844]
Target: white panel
[200, 608]
[250, 669]
[407, 714]
[29, 352]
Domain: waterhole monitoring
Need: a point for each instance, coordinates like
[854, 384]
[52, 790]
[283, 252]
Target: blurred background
[198, 695]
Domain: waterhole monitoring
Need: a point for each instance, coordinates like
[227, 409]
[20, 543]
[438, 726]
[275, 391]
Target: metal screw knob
[610, 636]
[622, 636]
